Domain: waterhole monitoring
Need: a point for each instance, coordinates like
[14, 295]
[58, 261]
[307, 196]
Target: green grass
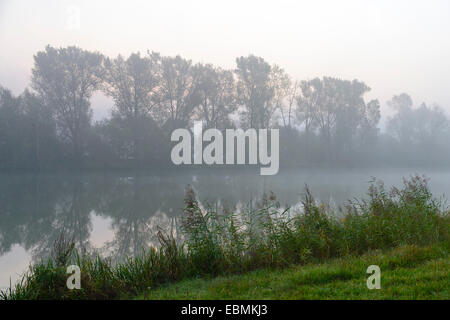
[267, 237]
[406, 273]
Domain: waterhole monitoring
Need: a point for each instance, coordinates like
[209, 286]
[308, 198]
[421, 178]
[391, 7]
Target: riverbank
[408, 272]
[264, 237]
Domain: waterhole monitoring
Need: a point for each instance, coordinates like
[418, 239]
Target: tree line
[322, 121]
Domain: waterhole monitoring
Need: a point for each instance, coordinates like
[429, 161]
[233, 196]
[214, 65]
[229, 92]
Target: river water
[117, 214]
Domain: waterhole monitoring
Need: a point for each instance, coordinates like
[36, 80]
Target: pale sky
[394, 46]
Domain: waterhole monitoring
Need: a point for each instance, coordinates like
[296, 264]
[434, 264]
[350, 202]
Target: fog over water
[91, 93]
[118, 214]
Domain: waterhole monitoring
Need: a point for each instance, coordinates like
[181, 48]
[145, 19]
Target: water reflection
[128, 209]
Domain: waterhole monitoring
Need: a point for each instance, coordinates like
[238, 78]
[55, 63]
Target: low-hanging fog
[90, 92]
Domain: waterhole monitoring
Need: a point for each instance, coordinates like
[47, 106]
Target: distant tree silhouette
[65, 79]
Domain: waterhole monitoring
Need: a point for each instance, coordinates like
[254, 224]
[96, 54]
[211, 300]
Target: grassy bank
[407, 272]
[265, 237]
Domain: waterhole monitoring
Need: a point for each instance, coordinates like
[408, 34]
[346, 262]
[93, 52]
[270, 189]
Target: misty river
[118, 214]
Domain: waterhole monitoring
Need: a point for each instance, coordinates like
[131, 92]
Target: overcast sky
[393, 45]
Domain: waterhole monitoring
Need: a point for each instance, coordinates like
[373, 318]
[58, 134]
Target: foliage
[266, 236]
[325, 121]
[408, 273]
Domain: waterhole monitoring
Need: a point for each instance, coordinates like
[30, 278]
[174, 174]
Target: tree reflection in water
[35, 209]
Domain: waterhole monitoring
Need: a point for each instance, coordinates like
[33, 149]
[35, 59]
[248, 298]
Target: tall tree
[134, 85]
[399, 125]
[42, 142]
[307, 102]
[10, 129]
[292, 93]
[422, 128]
[369, 126]
[215, 95]
[281, 85]
[350, 114]
[338, 109]
[65, 79]
[254, 90]
[178, 86]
